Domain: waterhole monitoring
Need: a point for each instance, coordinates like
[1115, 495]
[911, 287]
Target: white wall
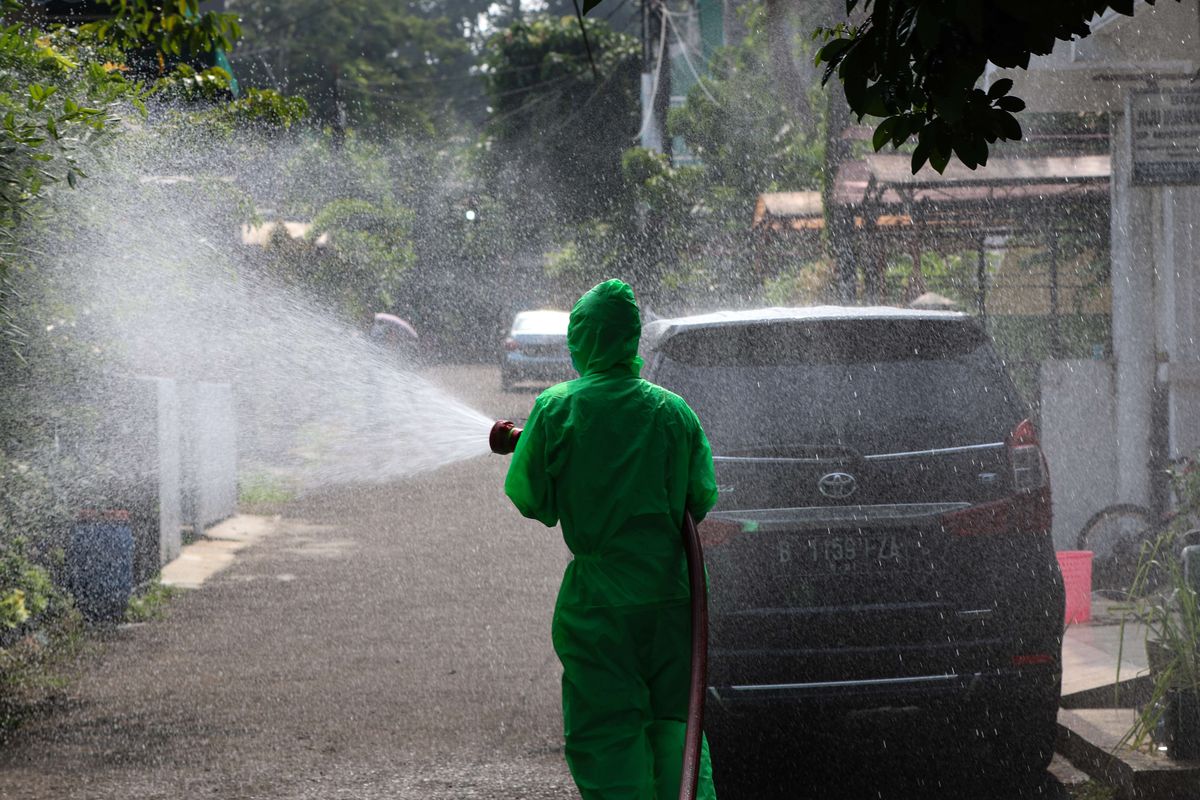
[1079, 439]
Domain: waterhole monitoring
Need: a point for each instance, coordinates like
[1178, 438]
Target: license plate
[840, 553]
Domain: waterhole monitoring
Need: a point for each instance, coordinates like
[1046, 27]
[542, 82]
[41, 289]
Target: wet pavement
[382, 642]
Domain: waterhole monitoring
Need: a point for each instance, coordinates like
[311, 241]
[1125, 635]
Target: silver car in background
[536, 349]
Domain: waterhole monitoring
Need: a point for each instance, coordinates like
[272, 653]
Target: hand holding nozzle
[504, 435]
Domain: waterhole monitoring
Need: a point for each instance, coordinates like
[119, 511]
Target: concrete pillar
[209, 436]
[1133, 323]
[1077, 438]
[1178, 311]
[170, 512]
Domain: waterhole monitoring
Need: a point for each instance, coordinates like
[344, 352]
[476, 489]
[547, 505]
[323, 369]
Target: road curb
[216, 549]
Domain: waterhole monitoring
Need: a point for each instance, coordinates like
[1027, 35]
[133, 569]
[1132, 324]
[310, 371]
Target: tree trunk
[781, 39]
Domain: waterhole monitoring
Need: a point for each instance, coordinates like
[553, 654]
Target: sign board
[1166, 137]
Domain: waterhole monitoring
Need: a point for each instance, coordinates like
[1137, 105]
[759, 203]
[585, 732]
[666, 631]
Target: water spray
[503, 440]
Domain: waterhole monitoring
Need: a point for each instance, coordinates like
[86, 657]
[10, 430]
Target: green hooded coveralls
[617, 459]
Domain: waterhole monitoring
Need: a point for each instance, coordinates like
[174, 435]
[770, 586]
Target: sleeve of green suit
[529, 484]
[702, 482]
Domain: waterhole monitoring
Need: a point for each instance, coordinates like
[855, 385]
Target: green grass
[150, 604]
[1092, 791]
[263, 489]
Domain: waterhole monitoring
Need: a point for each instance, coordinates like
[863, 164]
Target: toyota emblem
[838, 485]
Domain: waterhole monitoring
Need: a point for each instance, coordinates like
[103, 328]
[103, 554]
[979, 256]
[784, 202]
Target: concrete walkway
[216, 550]
[1092, 652]
[382, 642]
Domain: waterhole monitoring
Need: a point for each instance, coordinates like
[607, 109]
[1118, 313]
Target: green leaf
[904, 129]
[855, 88]
[920, 156]
[971, 151]
[1008, 126]
[884, 132]
[830, 52]
[938, 159]
[1000, 88]
[873, 103]
[71, 181]
[950, 106]
[1011, 104]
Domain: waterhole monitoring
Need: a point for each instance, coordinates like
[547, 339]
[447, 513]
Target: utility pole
[339, 109]
[656, 76]
[839, 228]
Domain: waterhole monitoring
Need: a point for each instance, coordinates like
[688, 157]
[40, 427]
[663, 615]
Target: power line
[563, 123]
[613, 13]
[525, 107]
[648, 117]
[683, 48]
[382, 91]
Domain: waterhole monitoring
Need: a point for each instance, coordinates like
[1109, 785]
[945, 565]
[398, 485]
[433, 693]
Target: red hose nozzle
[503, 438]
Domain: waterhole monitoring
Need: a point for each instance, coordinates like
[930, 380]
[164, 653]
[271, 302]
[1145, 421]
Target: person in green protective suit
[617, 459]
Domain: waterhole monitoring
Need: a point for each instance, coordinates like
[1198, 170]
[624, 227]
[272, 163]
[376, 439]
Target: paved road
[387, 641]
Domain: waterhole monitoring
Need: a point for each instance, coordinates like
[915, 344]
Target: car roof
[542, 320]
[657, 331]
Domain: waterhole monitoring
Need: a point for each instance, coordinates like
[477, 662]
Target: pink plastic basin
[1076, 566]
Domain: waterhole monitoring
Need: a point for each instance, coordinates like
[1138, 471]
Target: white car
[536, 349]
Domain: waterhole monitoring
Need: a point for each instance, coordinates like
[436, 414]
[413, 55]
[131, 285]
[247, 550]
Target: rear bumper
[518, 366]
[921, 691]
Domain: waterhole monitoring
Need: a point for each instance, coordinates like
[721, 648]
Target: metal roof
[1044, 169]
[880, 195]
[788, 204]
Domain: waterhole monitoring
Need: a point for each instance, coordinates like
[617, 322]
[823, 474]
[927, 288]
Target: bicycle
[1116, 534]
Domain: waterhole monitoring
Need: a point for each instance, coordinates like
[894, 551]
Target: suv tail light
[510, 344]
[1027, 510]
[1029, 468]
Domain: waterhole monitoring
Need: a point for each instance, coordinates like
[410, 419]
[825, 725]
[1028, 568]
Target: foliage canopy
[550, 112]
[918, 64]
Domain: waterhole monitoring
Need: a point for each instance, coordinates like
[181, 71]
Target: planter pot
[1158, 657]
[1181, 723]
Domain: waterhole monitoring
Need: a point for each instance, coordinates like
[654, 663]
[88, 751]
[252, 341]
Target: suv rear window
[875, 386]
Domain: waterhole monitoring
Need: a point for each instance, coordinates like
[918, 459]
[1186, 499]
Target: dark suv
[882, 539]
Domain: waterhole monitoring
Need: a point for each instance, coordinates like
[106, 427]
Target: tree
[781, 42]
[377, 65]
[683, 230]
[749, 136]
[554, 116]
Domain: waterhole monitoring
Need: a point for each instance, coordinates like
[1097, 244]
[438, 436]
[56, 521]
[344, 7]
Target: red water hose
[699, 686]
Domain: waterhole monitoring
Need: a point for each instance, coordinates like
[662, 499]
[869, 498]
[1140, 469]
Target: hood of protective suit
[604, 329]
